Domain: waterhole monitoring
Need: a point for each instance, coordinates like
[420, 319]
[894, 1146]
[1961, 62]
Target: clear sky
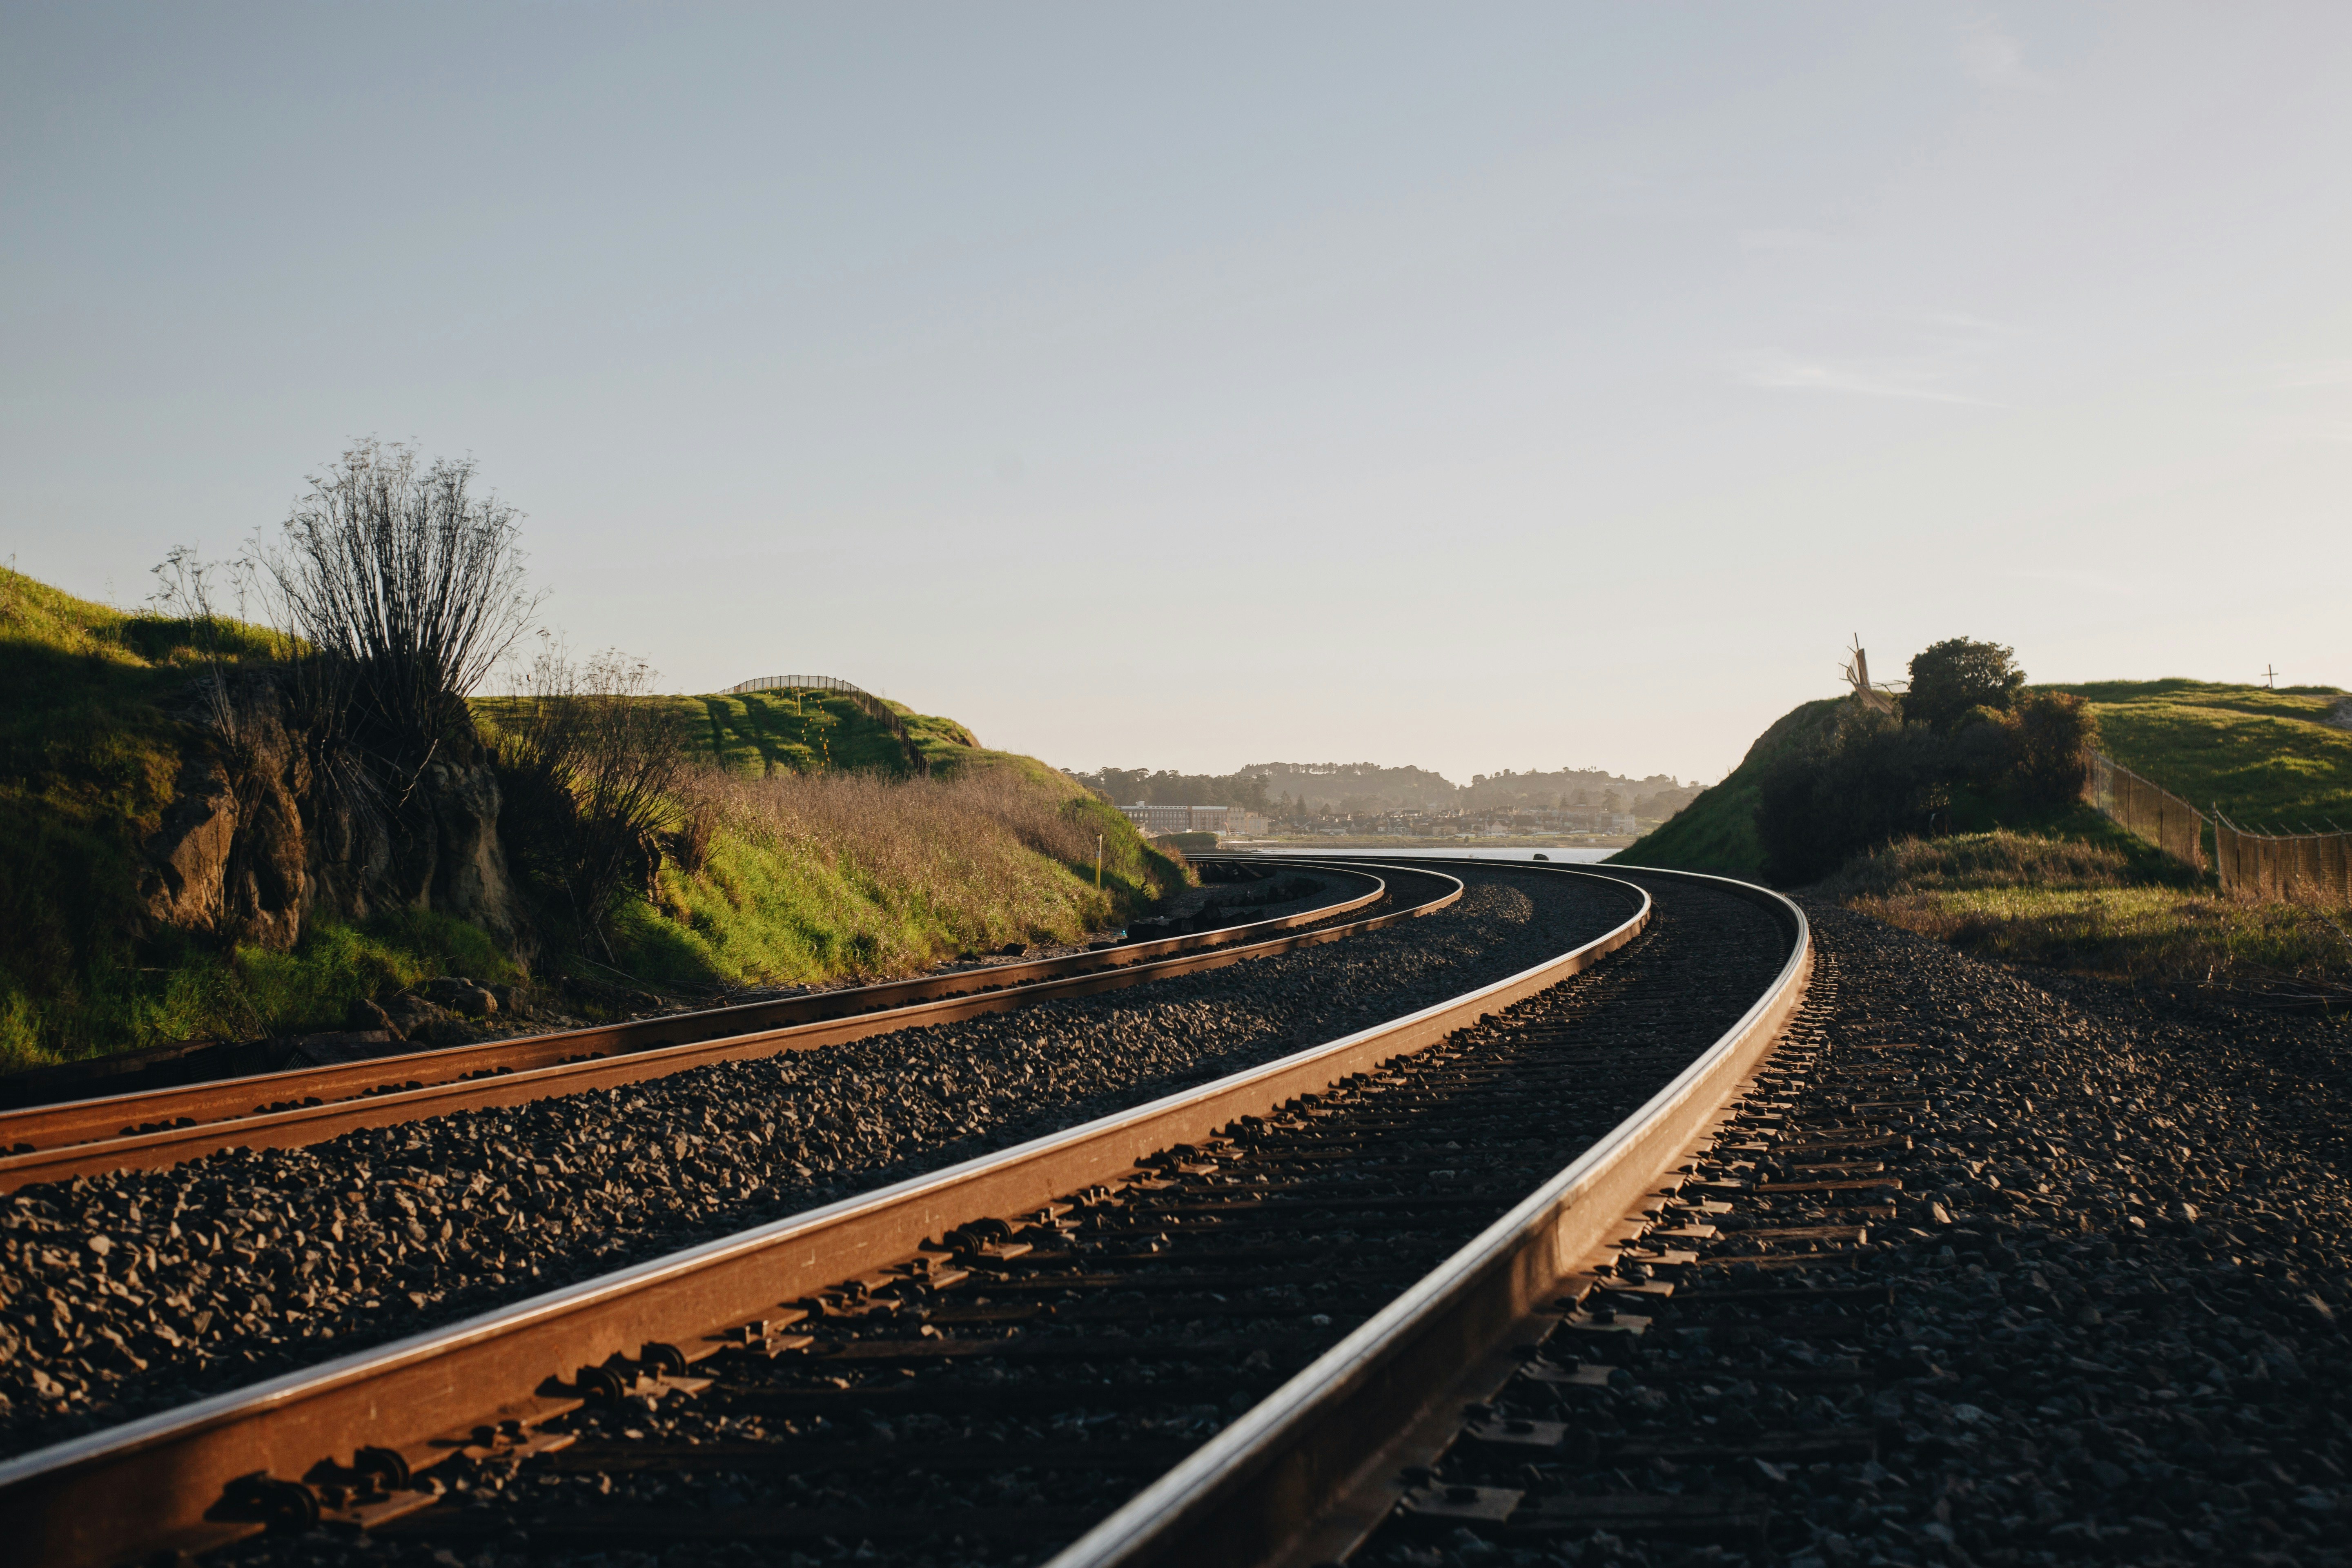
[1470, 386]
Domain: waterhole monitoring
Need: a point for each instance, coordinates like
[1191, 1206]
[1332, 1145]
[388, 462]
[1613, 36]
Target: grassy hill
[90, 748]
[757, 733]
[2068, 889]
[812, 856]
[815, 877]
[2264, 757]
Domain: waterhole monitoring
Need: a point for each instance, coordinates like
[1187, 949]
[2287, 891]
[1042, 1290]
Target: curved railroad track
[310, 1105]
[1258, 1289]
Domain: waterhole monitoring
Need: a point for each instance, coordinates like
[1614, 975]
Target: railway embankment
[182, 875]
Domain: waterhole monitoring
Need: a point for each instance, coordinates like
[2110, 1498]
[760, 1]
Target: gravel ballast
[131, 1293]
[2100, 1322]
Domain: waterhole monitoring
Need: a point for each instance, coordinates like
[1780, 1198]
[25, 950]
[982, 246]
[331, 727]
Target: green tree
[1956, 676]
[2052, 734]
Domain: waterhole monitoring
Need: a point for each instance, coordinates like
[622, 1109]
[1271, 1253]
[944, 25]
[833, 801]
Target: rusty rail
[1304, 1477]
[156, 1485]
[319, 1103]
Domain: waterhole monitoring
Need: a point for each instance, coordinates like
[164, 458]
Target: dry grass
[1996, 859]
[808, 877]
[2089, 907]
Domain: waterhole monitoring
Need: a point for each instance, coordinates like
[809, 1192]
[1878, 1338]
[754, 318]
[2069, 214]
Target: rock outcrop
[253, 848]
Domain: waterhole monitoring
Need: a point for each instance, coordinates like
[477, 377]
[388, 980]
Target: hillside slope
[2264, 757]
[98, 750]
[1717, 832]
[2067, 889]
[805, 854]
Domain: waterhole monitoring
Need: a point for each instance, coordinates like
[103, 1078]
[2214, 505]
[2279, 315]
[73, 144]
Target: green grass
[761, 732]
[1717, 832]
[2266, 758]
[2100, 903]
[834, 877]
[193, 989]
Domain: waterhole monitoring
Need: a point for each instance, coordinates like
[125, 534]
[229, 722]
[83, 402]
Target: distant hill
[1369, 788]
[761, 732]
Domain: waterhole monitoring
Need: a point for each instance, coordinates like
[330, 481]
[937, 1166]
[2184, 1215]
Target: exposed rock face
[190, 852]
[248, 849]
[468, 877]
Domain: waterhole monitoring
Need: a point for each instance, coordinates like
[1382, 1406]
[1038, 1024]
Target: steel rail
[1302, 1477]
[569, 1066]
[149, 1485]
[104, 1116]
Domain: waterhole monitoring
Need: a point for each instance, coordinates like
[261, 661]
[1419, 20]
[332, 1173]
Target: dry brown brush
[592, 775]
[854, 873]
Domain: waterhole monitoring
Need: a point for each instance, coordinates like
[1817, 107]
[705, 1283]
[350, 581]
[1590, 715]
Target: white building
[1157, 819]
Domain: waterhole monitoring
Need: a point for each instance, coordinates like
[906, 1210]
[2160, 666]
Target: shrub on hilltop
[1951, 678]
[1976, 747]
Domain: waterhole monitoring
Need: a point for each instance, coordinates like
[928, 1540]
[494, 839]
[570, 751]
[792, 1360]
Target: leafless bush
[184, 593]
[592, 773]
[402, 576]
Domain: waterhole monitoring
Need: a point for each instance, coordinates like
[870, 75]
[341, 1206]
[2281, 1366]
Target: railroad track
[1724, 1301]
[1259, 1289]
[305, 1106]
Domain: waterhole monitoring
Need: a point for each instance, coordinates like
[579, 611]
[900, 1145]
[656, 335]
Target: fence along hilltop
[2301, 868]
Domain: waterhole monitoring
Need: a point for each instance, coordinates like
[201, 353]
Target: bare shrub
[591, 771]
[402, 576]
[700, 818]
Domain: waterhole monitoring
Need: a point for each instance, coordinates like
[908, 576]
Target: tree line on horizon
[1288, 790]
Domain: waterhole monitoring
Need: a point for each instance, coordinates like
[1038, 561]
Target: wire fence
[795, 683]
[2305, 868]
[865, 702]
[2308, 867]
[2147, 810]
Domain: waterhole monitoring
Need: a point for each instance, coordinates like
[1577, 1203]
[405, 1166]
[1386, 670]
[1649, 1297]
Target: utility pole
[2270, 678]
[1098, 848]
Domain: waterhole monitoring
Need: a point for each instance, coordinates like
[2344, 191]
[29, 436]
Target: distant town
[1361, 799]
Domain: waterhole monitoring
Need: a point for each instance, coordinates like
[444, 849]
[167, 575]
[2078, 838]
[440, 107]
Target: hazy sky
[1470, 386]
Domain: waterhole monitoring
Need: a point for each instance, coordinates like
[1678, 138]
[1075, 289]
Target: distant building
[1247, 824]
[1150, 820]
